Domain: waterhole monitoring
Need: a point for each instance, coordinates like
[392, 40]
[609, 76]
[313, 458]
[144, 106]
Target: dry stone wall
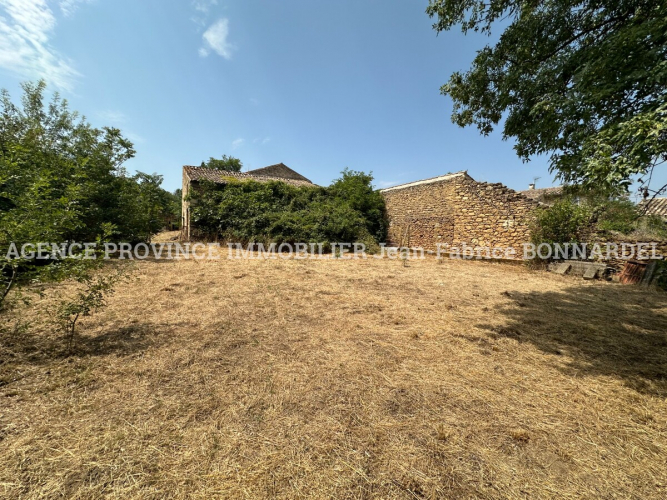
[421, 215]
[491, 215]
[455, 211]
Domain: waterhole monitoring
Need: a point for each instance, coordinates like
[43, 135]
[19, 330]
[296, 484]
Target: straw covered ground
[340, 379]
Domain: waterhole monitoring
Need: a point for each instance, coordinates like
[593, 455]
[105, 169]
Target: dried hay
[338, 378]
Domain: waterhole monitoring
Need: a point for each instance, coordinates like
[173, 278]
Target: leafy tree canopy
[61, 181]
[584, 81]
[227, 163]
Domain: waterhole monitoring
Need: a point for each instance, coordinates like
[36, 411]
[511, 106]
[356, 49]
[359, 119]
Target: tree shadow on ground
[608, 330]
[121, 341]
[21, 344]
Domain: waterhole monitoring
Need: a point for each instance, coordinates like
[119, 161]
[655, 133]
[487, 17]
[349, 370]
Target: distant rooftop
[279, 170]
[259, 175]
[656, 206]
[537, 194]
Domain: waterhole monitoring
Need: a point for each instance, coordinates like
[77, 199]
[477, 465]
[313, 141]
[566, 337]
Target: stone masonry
[455, 209]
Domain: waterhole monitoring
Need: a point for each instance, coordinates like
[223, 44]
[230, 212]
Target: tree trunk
[9, 286]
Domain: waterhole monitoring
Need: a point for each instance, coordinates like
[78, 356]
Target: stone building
[455, 209]
[193, 175]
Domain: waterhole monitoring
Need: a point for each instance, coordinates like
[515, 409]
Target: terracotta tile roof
[656, 206]
[278, 170]
[220, 176]
[537, 194]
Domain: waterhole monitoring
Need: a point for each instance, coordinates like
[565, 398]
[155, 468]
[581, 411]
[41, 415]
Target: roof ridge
[541, 189]
[191, 169]
[429, 180]
[292, 174]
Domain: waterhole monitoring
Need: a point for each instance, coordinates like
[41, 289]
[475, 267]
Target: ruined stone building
[455, 209]
[192, 176]
[450, 209]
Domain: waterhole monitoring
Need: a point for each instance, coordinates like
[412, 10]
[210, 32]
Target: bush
[349, 210]
[660, 276]
[96, 289]
[570, 222]
[649, 227]
[617, 215]
[62, 180]
[564, 222]
[624, 218]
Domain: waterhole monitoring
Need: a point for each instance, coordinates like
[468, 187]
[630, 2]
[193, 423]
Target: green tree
[584, 81]
[228, 163]
[57, 177]
[175, 208]
[355, 190]
[63, 181]
[145, 208]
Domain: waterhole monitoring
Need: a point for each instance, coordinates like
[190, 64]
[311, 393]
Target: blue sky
[319, 86]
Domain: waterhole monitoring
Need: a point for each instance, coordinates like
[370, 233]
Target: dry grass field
[341, 379]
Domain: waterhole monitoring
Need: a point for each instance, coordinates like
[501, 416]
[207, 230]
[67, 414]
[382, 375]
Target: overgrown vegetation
[660, 276]
[563, 222]
[63, 181]
[576, 219]
[349, 210]
[616, 216]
